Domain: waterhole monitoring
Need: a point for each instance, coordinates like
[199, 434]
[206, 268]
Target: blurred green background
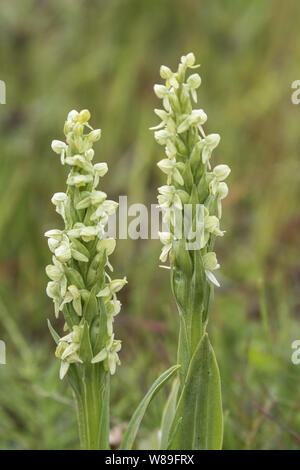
[105, 56]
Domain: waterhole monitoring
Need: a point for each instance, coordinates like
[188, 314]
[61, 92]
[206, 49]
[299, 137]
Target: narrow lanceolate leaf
[168, 415]
[54, 335]
[200, 405]
[91, 306]
[104, 421]
[134, 424]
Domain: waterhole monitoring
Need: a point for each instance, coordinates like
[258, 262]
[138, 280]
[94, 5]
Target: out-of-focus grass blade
[168, 415]
[138, 415]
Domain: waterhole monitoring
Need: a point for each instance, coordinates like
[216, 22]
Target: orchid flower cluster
[80, 284]
[190, 178]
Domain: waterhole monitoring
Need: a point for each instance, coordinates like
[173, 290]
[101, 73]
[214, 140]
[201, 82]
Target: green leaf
[184, 352]
[200, 404]
[90, 309]
[74, 277]
[168, 415]
[134, 424]
[54, 335]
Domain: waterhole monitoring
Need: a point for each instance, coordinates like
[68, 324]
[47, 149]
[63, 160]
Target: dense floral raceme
[80, 284]
[190, 178]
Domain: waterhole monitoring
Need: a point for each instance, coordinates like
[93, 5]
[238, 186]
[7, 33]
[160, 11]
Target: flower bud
[194, 81]
[72, 116]
[58, 146]
[222, 190]
[107, 244]
[198, 117]
[165, 72]
[53, 289]
[101, 168]
[57, 234]
[117, 284]
[212, 140]
[97, 197]
[161, 137]
[53, 272]
[211, 223]
[210, 261]
[94, 135]
[59, 198]
[188, 60]
[79, 180]
[53, 244]
[63, 252]
[88, 233]
[90, 154]
[84, 116]
[221, 172]
[161, 91]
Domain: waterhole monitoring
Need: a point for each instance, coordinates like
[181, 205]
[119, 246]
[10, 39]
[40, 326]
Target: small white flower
[196, 118]
[56, 273]
[112, 288]
[161, 91]
[97, 197]
[72, 116]
[89, 154]
[88, 233]
[84, 116]
[79, 161]
[221, 193]
[67, 350]
[212, 225]
[53, 291]
[109, 355]
[166, 239]
[113, 308]
[162, 136]
[60, 148]
[169, 76]
[169, 197]
[53, 243]
[72, 295]
[188, 60]
[59, 200]
[63, 250]
[57, 234]
[78, 180]
[107, 244]
[105, 209]
[211, 141]
[193, 82]
[101, 168]
[94, 135]
[170, 167]
[221, 172]
[166, 121]
[210, 264]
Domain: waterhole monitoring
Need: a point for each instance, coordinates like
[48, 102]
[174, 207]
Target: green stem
[92, 402]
